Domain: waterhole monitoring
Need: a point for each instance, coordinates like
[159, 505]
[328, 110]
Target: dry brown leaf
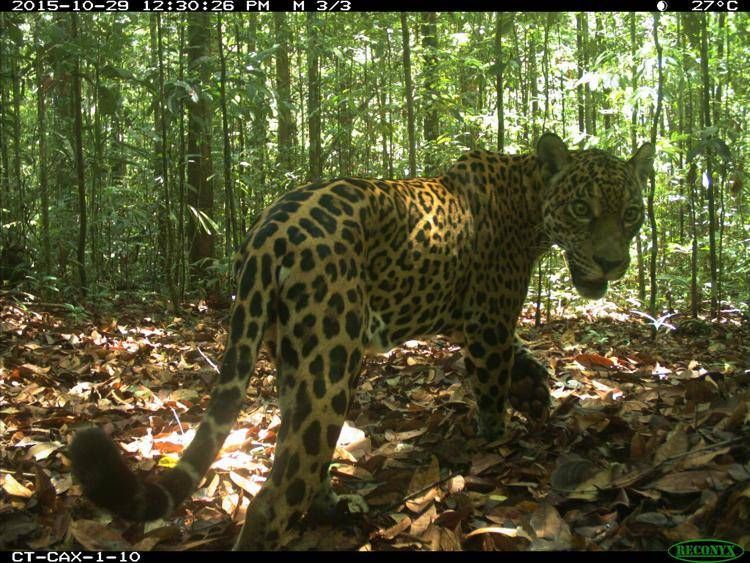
[692, 481]
[419, 503]
[352, 471]
[569, 474]
[601, 480]
[42, 450]
[147, 544]
[448, 539]
[424, 476]
[699, 458]
[482, 462]
[511, 532]
[551, 531]
[675, 444]
[637, 447]
[45, 491]
[593, 360]
[423, 521]
[250, 487]
[402, 524]
[94, 536]
[14, 488]
[403, 436]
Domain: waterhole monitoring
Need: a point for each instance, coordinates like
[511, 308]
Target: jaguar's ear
[643, 161]
[552, 151]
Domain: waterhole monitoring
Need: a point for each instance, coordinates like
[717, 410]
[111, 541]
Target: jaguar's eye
[580, 209]
[632, 214]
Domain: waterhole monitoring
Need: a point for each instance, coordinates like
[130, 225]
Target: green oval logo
[701, 551]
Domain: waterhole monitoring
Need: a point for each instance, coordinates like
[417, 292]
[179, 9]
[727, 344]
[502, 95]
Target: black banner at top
[341, 6]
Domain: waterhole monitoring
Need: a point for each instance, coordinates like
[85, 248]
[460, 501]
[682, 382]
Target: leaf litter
[647, 444]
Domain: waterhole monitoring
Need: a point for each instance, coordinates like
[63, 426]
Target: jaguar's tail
[96, 460]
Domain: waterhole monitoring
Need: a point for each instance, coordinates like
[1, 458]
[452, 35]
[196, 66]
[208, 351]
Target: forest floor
[647, 444]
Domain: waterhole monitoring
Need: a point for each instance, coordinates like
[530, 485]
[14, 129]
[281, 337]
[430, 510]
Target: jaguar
[335, 270]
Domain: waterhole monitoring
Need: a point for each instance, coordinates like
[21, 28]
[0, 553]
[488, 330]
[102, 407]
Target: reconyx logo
[700, 551]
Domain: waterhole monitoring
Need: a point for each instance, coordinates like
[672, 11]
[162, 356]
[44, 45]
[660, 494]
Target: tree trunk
[313, 98]
[182, 244]
[286, 127]
[200, 195]
[652, 190]
[499, 80]
[580, 54]
[548, 23]
[41, 108]
[389, 104]
[77, 143]
[409, 94]
[5, 173]
[634, 146]
[239, 124]
[231, 238]
[97, 173]
[710, 189]
[430, 81]
[21, 207]
[161, 165]
[258, 128]
[532, 81]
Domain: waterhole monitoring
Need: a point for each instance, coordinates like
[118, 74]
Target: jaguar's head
[592, 208]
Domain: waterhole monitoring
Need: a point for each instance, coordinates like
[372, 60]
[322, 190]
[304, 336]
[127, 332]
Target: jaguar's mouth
[590, 289]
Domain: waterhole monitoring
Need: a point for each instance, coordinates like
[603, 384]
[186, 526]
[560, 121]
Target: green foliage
[549, 71]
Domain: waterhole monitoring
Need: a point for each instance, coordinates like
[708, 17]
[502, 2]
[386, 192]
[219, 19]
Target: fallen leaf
[593, 360]
[692, 481]
[14, 488]
[95, 536]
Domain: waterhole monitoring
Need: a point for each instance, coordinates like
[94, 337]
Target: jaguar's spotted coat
[334, 270]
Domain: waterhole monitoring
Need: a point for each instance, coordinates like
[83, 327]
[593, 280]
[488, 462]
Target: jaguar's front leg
[488, 355]
[529, 388]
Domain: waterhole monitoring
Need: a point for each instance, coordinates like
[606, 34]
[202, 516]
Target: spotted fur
[334, 270]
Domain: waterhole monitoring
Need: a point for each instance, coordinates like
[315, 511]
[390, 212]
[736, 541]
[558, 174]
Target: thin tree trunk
[430, 86]
[313, 98]
[231, 238]
[41, 107]
[200, 182]
[239, 125]
[21, 211]
[722, 35]
[5, 173]
[381, 87]
[97, 170]
[652, 190]
[409, 93]
[77, 111]
[258, 138]
[286, 128]
[580, 53]
[499, 80]
[539, 287]
[161, 169]
[710, 189]
[545, 70]
[634, 146]
[182, 274]
[532, 80]
[389, 104]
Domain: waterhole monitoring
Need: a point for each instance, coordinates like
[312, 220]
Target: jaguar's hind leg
[317, 366]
